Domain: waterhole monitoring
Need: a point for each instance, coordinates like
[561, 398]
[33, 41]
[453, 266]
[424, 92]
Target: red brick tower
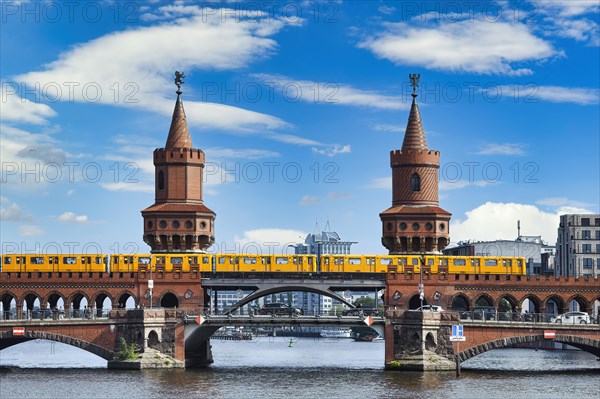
[178, 221]
[415, 223]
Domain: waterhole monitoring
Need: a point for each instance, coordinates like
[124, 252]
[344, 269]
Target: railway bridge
[411, 342]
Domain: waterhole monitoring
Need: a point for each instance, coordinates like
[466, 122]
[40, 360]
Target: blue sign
[457, 331]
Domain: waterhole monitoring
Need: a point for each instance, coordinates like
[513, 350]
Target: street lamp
[421, 286]
[150, 282]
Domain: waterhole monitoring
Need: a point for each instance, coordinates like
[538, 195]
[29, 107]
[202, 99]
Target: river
[311, 368]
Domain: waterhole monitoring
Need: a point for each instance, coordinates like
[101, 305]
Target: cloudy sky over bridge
[296, 106]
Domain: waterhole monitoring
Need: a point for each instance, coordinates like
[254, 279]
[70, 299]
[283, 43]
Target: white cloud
[10, 211]
[70, 192]
[247, 153]
[333, 150]
[562, 202]
[503, 217]
[70, 217]
[471, 46]
[502, 149]
[269, 240]
[387, 10]
[338, 196]
[582, 30]
[140, 62]
[309, 200]
[557, 94]
[131, 187]
[389, 128]
[29, 230]
[456, 185]
[381, 182]
[16, 109]
[333, 93]
[567, 8]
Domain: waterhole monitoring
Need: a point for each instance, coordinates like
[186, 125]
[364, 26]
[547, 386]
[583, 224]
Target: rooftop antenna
[316, 231]
[327, 226]
[518, 228]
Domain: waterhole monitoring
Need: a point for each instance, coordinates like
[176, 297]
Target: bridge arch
[459, 302]
[122, 297]
[533, 300]
[7, 299]
[28, 300]
[581, 301]
[7, 340]
[484, 300]
[554, 304]
[261, 292]
[99, 298]
[168, 299]
[53, 298]
[586, 344]
[505, 301]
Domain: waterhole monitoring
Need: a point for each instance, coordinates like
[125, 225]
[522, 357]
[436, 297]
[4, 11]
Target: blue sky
[296, 105]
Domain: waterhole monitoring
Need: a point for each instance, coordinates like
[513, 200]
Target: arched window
[161, 180]
[415, 182]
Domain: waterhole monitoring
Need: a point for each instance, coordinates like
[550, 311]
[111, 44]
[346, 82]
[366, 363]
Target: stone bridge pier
[418, 341]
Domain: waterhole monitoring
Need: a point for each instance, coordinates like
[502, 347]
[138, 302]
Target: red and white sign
[18, 331]
[200, 320]
[549, 334]
[368, 320]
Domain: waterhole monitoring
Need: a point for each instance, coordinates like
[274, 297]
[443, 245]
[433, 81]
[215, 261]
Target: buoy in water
[291, 343]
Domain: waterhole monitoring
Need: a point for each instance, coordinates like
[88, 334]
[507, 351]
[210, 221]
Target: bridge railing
[56, 314]
[516, 317]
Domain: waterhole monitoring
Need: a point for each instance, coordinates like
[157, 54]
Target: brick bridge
[411, 336]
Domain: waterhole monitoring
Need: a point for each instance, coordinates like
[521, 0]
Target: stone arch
[73, 303]
[534, 300]
[415, 301]
[52, 299]
[510, 301]
[484, 300]
[587, 344]
[459, 302]
[153, 340]
[98, 300]
[430, 343]
[554, 304]
[7, 340]
[122, 297]
[169, 299]
[27, 301]
[6, 299]
[581, 301]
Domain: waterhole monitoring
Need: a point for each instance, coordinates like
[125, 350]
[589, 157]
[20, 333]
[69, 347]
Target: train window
[51, 260]
[221, 260]
[474, 262]
[205, 259]
[508, 263]
[176, 260]
[98, 260]
[192, 259]
[310, 261]
[354, 261]
[326, 261]
[430, 262]
[69, 260]
[415, 261]
[443, 262]
[281, 261]
[295, 260]
[7, 260]
[459, 262]
[115, 260]
[144, 260]
[385, 261]
[401, 261]
[36, 260]
[491, 262]
[249, 261]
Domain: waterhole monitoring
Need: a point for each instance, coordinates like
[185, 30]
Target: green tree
[365, 302]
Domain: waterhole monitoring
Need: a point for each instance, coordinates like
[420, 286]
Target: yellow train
[246, 263]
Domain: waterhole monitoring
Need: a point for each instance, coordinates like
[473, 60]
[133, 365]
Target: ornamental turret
[415, 223]
[178, 221]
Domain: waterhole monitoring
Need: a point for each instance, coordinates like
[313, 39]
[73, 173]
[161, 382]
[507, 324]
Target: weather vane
[179, 76]
[414, 81]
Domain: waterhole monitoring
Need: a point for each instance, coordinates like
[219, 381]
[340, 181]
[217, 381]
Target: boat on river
[336, 333]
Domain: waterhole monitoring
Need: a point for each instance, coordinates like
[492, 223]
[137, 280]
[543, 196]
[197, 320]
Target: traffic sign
[457, 333]
[549, 334]
[368, 320]
[200, 320]
[18, 331]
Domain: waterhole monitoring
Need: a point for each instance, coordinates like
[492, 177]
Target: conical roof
[179, 135]
[414, 137]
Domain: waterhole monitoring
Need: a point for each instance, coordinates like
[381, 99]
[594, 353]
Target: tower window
[161, 180]
[415, 182]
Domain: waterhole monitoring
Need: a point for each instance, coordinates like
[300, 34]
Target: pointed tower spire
[179, 135]
[414, 138]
